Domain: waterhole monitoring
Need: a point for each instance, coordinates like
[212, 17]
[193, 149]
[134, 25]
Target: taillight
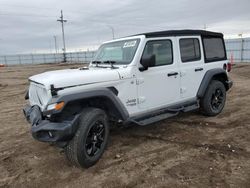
[229, 66]
[230, 63]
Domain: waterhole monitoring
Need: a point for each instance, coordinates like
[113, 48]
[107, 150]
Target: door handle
[198, 69]
[172, 74]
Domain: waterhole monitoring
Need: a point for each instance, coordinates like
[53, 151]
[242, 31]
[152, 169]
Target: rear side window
[190, 50]
[214, 49]
[162, 49]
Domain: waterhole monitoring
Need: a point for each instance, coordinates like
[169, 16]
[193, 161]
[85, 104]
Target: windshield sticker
[129, 44]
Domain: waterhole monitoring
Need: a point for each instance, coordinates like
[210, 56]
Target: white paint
[151, 89]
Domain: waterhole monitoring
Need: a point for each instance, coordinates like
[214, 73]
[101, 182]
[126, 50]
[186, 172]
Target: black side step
[191, 107]
[153, 119]
[162, 114]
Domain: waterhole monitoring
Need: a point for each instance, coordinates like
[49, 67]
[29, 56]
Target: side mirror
[147, 62]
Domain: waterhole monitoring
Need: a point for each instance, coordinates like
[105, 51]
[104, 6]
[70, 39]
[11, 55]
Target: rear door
[191, 66]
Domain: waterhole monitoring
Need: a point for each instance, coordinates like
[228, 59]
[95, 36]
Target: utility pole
[113, 31]
[64, 47]
[50, 46]
[205, 27]
[55, 43]
[242, 47]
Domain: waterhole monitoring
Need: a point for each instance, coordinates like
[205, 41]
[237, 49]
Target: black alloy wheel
[217, 99]
[213, 102]
[90, 140]
[95, 139]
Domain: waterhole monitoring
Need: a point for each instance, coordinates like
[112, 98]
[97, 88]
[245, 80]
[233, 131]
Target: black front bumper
[47, 131]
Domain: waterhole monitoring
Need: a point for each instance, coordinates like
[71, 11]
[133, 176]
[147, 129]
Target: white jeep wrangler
[138, 79]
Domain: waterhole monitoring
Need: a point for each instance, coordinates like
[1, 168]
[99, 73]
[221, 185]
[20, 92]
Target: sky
[29, 26]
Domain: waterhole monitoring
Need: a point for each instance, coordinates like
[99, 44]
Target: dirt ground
[189, 150]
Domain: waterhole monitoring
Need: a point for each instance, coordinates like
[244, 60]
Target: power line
[21, 6]
[27, 15]
[44, 8]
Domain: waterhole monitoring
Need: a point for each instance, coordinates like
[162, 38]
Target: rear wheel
[90, 140]
[214, 99]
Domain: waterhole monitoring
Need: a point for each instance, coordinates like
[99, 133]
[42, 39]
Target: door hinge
[183, 73]
[141, 100]
[183, 90]
[139, 81]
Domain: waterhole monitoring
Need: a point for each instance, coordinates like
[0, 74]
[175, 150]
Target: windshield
[120, 52]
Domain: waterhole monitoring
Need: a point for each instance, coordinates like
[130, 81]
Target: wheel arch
[103, 98]
[213, 74]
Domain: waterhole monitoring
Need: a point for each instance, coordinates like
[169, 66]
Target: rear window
[190, 49]
[214, 49]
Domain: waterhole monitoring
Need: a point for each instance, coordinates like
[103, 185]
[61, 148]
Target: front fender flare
[101, 92]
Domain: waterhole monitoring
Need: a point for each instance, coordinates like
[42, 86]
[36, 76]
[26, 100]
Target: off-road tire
[75, 150]
[207, 107]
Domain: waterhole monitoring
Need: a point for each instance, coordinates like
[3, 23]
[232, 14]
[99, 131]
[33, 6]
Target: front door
[159, 86]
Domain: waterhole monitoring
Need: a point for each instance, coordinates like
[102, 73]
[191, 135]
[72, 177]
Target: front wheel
[214, 99]
[90, 140]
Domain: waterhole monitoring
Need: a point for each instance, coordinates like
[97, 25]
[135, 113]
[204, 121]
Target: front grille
[37, 95]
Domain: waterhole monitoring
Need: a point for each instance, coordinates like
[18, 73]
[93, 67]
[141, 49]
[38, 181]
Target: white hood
[71, 77]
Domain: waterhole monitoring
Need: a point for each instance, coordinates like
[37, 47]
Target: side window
[162, 49]
[190, 50]
[214, 49]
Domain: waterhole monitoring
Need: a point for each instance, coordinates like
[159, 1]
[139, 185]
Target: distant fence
[239, 49]
[76, 57]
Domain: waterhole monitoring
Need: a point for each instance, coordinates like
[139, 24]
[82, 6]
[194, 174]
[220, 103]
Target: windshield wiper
[96, 63]
[111, 63]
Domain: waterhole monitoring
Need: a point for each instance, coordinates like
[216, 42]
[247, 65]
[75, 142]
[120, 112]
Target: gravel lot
[189, 150]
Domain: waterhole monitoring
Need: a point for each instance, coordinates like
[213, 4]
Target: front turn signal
[59, 106]
[56, 106]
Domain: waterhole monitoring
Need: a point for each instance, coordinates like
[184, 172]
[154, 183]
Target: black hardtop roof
[187, 32]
